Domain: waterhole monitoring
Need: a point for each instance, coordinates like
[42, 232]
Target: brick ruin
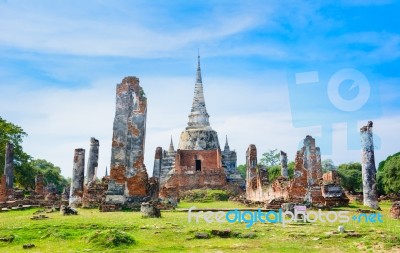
[12, 197]
[370, 197]
[307, 186]
[3, 189]
[39, 185]
[164, 161]
[198, 163]
[93, 189]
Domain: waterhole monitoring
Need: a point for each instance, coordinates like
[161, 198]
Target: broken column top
[367, 127]
[158, 154]
[309, 140]
[94, 141]
[131, 84]
[251, 150]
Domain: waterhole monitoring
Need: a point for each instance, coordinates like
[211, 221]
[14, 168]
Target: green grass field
[92, 231]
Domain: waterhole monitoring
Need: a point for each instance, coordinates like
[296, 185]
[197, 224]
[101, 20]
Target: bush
[350, 176]
[218, 195]
[111, 238]
[388, 175]
[205, 195]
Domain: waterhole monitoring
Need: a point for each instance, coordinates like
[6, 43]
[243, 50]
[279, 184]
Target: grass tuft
[111, 238]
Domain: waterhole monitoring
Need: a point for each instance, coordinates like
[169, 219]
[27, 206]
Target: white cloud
[55, 31]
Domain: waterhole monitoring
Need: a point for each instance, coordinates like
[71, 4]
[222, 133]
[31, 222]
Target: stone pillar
[77, 178]
[9, 165]
[39, 184]
[251, 156]
[284, 166]
[154, 186]
[157, 163]
[93, 160]
[128, 143]
[251, 170]
[368, 167]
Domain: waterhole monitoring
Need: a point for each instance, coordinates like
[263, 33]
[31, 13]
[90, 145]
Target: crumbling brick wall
[256, 176]
[3, 189]
[185, 177]
[39, 185]
[306, 185]
[93, 193]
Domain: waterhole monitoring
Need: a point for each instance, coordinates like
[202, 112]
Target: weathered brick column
[93, 160]
[129, 132]
[284, 167]
[9, 165]
[157, 163]
[3, 189]
[368, 166]
[39, 184]
[75, 199]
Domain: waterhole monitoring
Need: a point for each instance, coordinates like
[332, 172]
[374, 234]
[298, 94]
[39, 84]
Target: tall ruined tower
[368, 167]
[129, 131]
[198, 135]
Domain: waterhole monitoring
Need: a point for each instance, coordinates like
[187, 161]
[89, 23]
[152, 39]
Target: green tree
[291, 169]
[327, 165]
[25, 167]
[23, 171]
[242, 170]
[270, 158]
[9, 132]
[274, 172]
[50, 172]
[350, 176]
[388, 175]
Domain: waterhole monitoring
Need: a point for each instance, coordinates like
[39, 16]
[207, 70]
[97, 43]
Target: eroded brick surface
[3, 189]
[93, 193]
[39, 185]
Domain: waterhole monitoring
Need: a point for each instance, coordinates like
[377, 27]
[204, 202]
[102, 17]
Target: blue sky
[60, 62]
